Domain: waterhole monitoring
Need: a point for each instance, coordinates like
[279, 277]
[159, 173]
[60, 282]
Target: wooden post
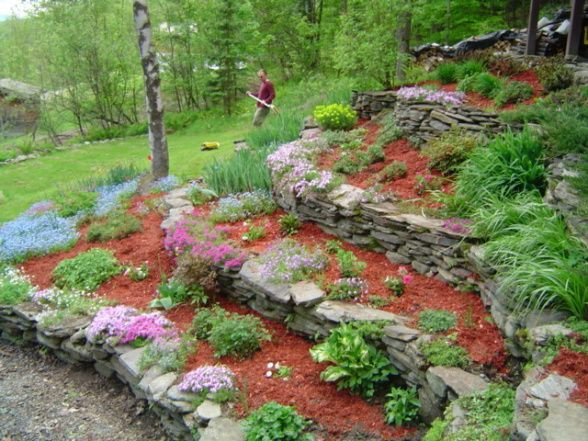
[157, 139]
[532, 27]
[573, 44]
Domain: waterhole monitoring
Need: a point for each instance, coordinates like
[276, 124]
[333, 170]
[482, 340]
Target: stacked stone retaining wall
[423, 121]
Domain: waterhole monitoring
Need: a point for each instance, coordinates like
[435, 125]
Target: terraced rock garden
[404, 279]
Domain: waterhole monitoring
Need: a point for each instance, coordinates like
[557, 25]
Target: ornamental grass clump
[31, 235]
[15, 286]
[122, 324]
[117, 225]
[513, 92]
[293, 166]
[241, 206]
[87, 271]
[196, 237]
[290, 262]
[447, 152]
[209, 380]
[335, 116]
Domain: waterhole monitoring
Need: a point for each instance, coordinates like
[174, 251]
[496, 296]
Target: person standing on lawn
[266, 94]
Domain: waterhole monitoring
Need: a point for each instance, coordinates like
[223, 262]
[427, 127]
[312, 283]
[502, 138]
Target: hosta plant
[402, 406]
[356, 364]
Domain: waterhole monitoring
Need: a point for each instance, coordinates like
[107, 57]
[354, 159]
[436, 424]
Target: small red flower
[150, 157]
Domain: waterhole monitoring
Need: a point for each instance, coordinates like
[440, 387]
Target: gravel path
[44, 399]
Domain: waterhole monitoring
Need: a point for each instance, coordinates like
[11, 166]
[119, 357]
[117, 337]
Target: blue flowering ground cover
[30, 235]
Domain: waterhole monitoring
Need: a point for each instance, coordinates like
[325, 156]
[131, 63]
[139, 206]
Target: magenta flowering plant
[125, 325]
[458, 225]
[194, 236]
[417, 93]
[292, 164]
[208, 379]
[397, 284]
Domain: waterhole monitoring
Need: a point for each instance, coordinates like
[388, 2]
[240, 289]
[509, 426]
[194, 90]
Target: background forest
[84, 51]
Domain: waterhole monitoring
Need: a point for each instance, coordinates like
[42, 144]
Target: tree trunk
[403, 38]
[157, 139]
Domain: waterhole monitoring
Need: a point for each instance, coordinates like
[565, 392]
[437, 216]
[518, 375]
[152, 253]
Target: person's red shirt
[266, 93]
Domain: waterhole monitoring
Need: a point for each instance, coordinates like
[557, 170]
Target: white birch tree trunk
[157, 139]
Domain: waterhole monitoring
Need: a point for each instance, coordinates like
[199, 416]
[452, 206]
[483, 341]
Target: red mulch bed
[481, 338]
[401, 150]
[573, 365]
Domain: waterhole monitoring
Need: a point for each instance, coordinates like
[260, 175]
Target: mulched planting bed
[401, 150]
[337, 412]
[476, 333]
[573, 365]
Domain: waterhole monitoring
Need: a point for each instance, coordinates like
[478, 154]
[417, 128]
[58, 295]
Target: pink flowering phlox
[126, 324]
[458, 225]
[417, 93]
[208, 379]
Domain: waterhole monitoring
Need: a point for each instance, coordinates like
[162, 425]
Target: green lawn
[30, 181]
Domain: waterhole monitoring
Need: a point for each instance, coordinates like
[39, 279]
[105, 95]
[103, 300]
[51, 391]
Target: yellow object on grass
[210, 145]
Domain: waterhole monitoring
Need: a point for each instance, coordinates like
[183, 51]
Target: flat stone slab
[540, 334]
[306, 293]
[208, 410]
[566, 421]
[223, 429]
[402, 333]
[160, 385]
[67, 328]
[553, 387]
[341, 312]
[251, 275]
[177, 193]
[28, 311]
[178, 202]
[150, 374]
[130, 361]
[178, 212]
[462, 383]
[346, 196]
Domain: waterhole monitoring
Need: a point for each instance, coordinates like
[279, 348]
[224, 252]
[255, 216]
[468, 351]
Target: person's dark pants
[260, 116]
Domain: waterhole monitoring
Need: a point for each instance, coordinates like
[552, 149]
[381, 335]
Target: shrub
[289, 224]
[436, 320]
[276, 422]
[447, 152]
[401, 406]
[243, 206]
[335, 116]
[254, 233]
[513, 92]
[340, 137]
[554, 75]
[375, 153]
[395, 170]
[442, 352]
[205, 319]
[510, 164]
[289, 262]
[333, 245]
[87, 271]
[349, 265]
[175, 121]
[117, 225]
[70, 203]
[347, 289]
[487, 85]
[357, 364]
[15, 287]
[446, 73]
[395, 285]
[194, 270]
[237, 336]
[469, 68]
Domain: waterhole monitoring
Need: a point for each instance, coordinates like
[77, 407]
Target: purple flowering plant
[292, 164]
[458, 225]
[348, 288]
[289, 262]
[125, 324]
[216, 380]
[417, 93]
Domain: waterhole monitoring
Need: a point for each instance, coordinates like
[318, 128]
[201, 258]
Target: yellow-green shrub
[335, 116]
